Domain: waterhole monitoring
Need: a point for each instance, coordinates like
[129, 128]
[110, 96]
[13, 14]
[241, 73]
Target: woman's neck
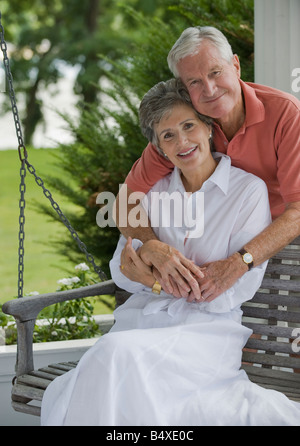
[193, 180]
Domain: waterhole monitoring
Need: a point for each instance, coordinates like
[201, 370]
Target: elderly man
[259, 128]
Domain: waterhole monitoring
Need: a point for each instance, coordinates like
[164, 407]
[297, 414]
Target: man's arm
[124, 223]
[221, 275]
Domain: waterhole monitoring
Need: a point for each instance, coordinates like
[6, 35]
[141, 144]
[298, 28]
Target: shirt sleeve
[147, 170]
[118, 277]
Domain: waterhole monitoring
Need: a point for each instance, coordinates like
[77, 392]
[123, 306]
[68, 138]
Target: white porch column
[277, 44]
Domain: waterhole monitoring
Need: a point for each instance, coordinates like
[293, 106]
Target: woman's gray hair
[158, 101]
[190, 40]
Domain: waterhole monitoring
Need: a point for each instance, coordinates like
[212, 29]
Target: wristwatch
[247, 258]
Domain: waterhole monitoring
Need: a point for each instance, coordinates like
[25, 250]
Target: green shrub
[64, 321]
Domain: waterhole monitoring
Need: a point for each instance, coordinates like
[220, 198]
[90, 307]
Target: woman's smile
[187, 153]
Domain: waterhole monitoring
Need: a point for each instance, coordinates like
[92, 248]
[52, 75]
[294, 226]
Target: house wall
[277, 43]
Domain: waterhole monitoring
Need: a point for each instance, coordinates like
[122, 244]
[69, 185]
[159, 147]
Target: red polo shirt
[267, 145]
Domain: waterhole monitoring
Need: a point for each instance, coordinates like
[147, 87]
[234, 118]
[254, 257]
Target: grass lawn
[43, 266]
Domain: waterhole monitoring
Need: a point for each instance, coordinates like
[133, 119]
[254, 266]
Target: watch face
[248, 257]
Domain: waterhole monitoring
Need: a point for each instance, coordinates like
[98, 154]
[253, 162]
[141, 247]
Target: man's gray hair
[158, 101]
[189, 43]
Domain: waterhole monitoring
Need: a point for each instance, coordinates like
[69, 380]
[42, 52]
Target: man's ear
[237, 65]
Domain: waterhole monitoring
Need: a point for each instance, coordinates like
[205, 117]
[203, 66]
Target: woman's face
[184, 138]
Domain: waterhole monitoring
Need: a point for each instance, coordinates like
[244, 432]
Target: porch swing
[271, 359]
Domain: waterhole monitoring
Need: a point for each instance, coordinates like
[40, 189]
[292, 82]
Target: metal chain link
[23, 155]
[21, 229]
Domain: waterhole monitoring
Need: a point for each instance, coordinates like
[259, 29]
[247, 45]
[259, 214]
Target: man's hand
[176, 274]
[221, 275]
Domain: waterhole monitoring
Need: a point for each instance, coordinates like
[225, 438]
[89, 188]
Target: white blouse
[234, 209]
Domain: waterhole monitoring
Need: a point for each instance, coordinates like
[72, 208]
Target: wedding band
[122, 266]
[156, 289]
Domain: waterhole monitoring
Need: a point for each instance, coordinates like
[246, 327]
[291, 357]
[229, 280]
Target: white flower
[82, 267]
[68, 281]
[64, 282]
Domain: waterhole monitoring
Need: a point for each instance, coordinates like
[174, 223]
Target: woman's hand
[134, 268]
[177, 274]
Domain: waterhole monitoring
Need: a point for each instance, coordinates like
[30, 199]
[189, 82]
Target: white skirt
[166, 362]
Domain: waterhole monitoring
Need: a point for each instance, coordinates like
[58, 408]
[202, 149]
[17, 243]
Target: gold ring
[156, 289]
[122, 266]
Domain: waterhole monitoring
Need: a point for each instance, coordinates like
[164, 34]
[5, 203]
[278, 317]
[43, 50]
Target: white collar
[220, 177]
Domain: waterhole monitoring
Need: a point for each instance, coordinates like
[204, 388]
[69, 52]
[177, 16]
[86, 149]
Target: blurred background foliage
[119, 49]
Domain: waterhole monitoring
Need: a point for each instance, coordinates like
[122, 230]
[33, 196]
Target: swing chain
[23, 155]
[21, 229]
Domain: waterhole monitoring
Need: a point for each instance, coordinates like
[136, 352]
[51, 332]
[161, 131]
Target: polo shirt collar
[255, 110]
[220, 177]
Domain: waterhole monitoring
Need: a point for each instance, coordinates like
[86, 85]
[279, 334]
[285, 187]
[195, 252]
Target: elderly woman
[176, 360]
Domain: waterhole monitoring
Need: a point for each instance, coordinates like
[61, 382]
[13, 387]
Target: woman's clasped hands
[158, 261]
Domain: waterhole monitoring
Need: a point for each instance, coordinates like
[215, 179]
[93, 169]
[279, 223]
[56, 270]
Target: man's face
[212, 82]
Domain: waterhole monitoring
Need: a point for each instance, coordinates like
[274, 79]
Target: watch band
[247, 257]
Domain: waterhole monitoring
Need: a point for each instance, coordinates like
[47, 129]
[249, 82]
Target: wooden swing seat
[271, 357]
